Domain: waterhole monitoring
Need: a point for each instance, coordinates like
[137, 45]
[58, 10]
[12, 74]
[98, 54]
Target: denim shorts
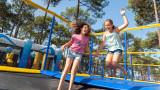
[118, 51]
[74, 55]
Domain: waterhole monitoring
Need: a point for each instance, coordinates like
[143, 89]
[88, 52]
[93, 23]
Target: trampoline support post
[90, 61]
[49, 42]
[125, 49]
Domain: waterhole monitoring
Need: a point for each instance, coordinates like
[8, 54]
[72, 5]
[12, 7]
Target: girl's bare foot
[125, 73]
[114, 72]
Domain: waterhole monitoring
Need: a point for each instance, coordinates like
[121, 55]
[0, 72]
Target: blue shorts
[118, 51]
[74, 55]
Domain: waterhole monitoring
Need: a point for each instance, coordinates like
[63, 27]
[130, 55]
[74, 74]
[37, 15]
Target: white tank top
[113, 41]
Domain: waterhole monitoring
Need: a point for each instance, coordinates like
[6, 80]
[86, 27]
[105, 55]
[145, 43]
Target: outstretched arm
[102, 44]
[125, 21]
[66, 45]
[87, 50]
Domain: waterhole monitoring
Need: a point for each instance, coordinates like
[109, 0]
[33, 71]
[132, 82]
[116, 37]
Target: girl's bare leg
[65, 72]
[115, 63]
[73, 73]
[108, 61]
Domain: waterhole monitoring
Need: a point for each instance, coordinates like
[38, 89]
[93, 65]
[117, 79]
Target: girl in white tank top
[113, 43]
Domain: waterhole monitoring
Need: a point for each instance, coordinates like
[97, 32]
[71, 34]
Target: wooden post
[156, 14]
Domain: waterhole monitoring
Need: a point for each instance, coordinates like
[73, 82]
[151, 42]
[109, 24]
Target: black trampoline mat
[24, 81]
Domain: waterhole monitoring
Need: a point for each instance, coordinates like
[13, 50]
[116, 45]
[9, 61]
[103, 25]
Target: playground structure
[27, 47]
[113, 83]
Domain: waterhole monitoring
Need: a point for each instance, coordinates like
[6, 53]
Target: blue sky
[112, 12]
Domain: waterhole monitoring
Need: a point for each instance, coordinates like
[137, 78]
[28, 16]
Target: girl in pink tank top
[79, 42]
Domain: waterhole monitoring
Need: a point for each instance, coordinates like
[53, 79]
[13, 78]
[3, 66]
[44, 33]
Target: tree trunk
[77, 11]
[156, 14]
[37, 41]
[2, 28]
[44, 23]
[19, 24]
[141, 72]
[30, 35]
[18, 15]
[38, 38]
[132, 71]
[119, 74]
[155, 74]
[17, 29]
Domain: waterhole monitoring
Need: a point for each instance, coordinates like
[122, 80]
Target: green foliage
[61, 35]
[48, 2]
[95, 6]
[6, 16]
[130, 38]
[152, 41]
[25, 14]
[84, 16]
[54, 3]
[144, 11]
[32, 29]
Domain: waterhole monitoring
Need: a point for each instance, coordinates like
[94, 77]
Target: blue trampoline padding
[107, 82]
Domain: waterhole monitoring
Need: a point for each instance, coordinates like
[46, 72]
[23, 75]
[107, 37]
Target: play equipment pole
[49, 42]
[97, 64]
[131, 68]
[148, 74]
[102, 64]
[90, 62]
[125, 49]
[128, 71]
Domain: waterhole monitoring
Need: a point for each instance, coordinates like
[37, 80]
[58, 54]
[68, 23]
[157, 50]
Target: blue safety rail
[110, 83]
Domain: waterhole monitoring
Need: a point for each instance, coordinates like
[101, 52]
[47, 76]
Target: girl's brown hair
[78, 25]
[111, 22]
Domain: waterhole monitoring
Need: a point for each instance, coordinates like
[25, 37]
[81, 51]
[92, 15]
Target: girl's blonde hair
[111, 22]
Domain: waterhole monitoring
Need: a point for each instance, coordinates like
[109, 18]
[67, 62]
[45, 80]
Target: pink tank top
[79, 43]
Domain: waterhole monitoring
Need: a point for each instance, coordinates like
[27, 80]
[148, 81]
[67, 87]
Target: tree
[144, 11]
[6, 16]
[94, 6]
[25, 14]
[32, 29]
[152, 41]
[17, 16]
[61, 35]
[138, 45]
[27, 31]
[84, 16]
[53, 3]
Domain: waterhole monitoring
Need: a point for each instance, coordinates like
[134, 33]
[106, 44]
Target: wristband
[123, 15]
